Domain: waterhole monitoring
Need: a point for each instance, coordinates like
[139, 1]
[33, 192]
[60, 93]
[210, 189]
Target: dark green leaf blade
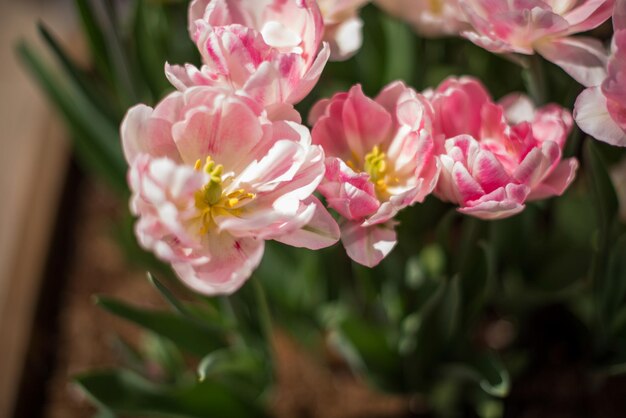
[129, 393]
[187, 334]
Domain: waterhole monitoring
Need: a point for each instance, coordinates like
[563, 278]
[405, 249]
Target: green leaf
[126, 392]
[148, 45]
[486, 370]
[177, 305]
[95, 38]
[96, 140]
[614, 289]
[242, 369]
[228, 361]
[400, 60]
[606, 207]
[121, 68]
[166, 354]
[190, 336]
[77, 75]
[495, 379]
[603, 193]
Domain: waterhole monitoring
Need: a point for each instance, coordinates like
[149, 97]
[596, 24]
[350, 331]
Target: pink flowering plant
[416, 192]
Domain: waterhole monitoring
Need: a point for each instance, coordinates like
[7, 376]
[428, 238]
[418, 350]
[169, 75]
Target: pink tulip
[600, 110]
[380, 159]
[494, 157]
[213, 178]
[342, 27]
[431, 18]
[268, 50]
[542, 26]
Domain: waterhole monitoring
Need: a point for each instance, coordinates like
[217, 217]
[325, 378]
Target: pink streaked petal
[592, 116]
[318, 110]
[557, 182]
[345, 39]
[141, 132]
[368, 245]
[281, 164]
[499, 204]
[495, 45]
[283, 112]
[328, 130]
[349, 193]
[467, 188]
[488, 172]
[584, 59]
[517, 108]
[589, 14]
[396, 202]
[458, 104]
[389, 96]
[366, 123]
[309, 79]
[619, 15]
[227, 132]
[320, 232]
[552, 123]
[232, 262]
[196, 11]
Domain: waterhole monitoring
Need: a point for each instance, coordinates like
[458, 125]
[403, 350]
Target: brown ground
[98, 267]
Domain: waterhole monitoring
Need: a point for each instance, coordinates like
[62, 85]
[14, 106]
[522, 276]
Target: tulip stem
[265, 316]
[535, 79]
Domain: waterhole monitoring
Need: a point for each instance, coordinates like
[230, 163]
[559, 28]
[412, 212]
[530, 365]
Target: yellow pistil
[211, 200]
[375, 164]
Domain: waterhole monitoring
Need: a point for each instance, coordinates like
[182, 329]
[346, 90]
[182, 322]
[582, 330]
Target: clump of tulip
[224, 164]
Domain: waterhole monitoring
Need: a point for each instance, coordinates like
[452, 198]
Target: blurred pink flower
[268, 50]
[494, 157]
[213, 178]
[431, 18]
[600, 110]
[542, 26]
[342, 27]
[380, 159]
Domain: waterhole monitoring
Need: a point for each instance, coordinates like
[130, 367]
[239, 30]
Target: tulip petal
[368, 245]
[231, 264]
[592, 116]
[320, 232]
[584, 59]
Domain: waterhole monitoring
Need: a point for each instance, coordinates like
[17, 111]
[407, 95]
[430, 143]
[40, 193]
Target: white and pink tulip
[600, 110]
[213, 178]
[496, 156]
[379, 160]
[268, 50]
[544, 27]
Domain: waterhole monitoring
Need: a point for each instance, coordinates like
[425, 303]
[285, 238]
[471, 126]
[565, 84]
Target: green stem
[263, 310]
[229, 311]
[535, 79]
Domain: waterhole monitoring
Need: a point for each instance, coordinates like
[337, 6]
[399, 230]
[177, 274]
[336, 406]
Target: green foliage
[125, 392]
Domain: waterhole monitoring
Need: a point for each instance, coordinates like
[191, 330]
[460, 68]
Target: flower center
[211, 201]
[375, 164]
[436, 6]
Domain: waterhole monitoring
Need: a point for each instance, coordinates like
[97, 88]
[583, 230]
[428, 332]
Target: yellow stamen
[436, 6]
[375, 164]
[211, 201]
